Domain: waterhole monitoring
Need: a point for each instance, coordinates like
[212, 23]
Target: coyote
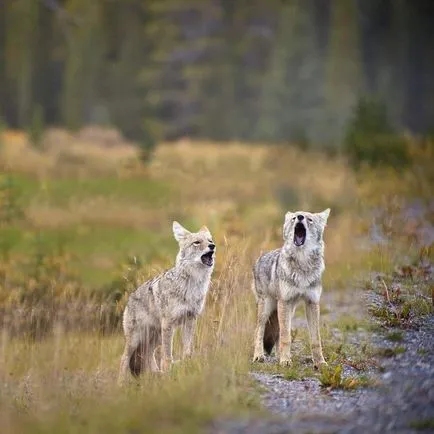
[174, 298]
[284, 276]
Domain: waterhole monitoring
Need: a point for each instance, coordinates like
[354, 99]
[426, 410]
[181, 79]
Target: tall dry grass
[63, 379]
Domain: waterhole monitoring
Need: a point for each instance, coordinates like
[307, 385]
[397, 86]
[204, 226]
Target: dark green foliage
[291, 99]
[36, 128]
[370, 138]
[344, 79]
[147, 145]
[287, 72]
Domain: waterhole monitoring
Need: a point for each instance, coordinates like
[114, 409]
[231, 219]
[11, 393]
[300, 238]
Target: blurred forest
[276, 71]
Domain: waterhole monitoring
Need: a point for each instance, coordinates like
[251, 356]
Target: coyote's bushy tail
[143, 356]
[271, 335]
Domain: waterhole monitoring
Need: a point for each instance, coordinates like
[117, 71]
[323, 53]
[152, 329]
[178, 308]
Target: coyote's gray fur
[171, 299]
[284, 276]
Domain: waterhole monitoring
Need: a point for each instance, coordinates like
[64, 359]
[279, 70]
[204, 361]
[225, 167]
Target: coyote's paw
[259, 358]
[318, 364]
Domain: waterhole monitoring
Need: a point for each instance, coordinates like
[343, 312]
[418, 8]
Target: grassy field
[82, 221]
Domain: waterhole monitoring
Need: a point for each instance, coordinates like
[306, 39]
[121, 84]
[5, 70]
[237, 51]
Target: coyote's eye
[293, 219]
[309, 219]
[196, 243]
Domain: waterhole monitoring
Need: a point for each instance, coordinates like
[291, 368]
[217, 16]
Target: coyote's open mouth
[208, 259]
[299, 234]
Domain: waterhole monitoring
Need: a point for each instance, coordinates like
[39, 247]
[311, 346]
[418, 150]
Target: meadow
[83, 221]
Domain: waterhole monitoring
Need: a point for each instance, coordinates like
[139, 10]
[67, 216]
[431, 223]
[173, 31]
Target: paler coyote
[285, 276]
[173, 298]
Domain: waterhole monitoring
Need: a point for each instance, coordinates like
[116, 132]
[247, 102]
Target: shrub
[10, 208]
[147, 143]
[370, 138]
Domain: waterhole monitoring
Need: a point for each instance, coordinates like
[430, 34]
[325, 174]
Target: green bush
[370, 138]
[146, 146]
[148, 141]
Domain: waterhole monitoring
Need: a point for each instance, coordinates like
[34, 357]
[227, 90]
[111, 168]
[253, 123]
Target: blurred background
[277, 71]
[119, 116]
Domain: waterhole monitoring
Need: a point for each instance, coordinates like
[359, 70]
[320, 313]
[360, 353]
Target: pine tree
[344, 82]
[124, 27]
[291, 95]
[21, 17]
[82, 72]
[179, 43]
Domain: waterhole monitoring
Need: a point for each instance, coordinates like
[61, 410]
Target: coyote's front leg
[312, 316]
[187, 336]
[285, 310]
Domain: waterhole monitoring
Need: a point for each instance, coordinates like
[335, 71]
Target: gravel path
[402, 401]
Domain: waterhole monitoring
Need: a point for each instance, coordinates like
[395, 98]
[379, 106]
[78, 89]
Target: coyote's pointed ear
[324, 216]
[179, 231]
[205, 229]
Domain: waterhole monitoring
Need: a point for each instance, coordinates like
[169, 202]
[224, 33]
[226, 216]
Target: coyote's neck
[302, 257]
[193, 270]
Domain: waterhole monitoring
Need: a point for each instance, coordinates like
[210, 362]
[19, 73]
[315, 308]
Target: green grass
[301, 368]
[422, 352]
[347, 323]
[72, 388]
[422, 425]
[60, 191]
[95, 251]
[395, 336]
[391, 352]
[332, 377]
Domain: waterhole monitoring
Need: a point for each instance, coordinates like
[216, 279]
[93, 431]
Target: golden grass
[95, 211]
[66, 382]
[78, 154]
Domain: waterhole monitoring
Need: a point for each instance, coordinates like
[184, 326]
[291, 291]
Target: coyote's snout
[284, 276]
[171, 299]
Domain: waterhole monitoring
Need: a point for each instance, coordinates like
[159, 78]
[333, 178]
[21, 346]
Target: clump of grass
[391, 352]
[406, 296]
[298, 370]
[422, 425]
[348, 323]
[395, 336]
[359, 357]
[332, 378]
